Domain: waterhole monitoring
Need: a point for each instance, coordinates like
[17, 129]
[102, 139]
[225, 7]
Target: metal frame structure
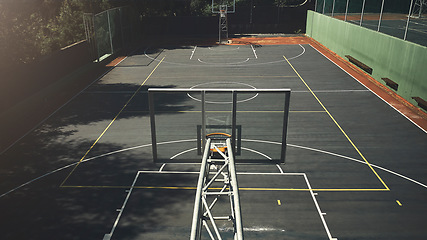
[419, 8]
[234, 127]
[223, 25]
[223, 9]
[218, 160]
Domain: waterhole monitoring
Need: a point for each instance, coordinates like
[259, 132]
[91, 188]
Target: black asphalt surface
[355, 167]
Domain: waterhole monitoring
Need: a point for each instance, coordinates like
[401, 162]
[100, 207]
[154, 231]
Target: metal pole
[407, 23]
[333, 8]
[109, 28]
[152, 123]
[236, 197]
[363, 12]
[196, 223]
[219, 28]
[203, 134]
[285, 126]
[234, 122]
[381, 16]
[346, 11]
[96, 39]
[324, 4]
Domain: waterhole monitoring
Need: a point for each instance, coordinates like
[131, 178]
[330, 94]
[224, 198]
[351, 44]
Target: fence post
[381, 16]
[109, 30]
[407, 22]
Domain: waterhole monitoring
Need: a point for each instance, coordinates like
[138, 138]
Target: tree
[32, 28]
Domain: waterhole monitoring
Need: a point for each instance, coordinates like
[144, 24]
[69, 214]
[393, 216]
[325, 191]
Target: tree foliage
[30, 29]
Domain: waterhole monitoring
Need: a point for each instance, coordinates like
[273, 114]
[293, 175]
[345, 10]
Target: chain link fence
[110, 31]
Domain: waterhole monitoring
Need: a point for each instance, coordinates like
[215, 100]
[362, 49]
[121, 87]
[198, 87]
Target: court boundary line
[228, 65]
[337, 124]
[132, 187]
[148, 145]
[111, 122]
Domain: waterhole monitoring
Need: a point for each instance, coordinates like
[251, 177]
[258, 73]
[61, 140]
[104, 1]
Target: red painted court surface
[355, 158]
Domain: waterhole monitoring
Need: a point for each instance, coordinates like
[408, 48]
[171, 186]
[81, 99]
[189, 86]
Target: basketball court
[354, 167]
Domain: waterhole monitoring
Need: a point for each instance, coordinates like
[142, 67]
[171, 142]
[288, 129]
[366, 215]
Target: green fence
[405, 19]
[109, 31]
[400, 61]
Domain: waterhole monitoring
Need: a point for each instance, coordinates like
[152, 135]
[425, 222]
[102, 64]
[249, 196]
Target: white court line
[192, 53]
[224, 64]
[183, 152]
[225, 50]
[331, 91]
[163, 166]
[189, 140]
[425, 131]
[215, 65]
[253, 50]
[318, 209]
[109, 235]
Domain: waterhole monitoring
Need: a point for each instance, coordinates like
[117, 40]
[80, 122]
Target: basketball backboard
[228, 5]
[256, 120]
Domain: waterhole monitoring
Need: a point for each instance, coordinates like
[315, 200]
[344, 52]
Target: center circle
[221, 98]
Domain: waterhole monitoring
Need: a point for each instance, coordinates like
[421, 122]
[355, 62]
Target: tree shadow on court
[86, 206]
[40, 162]
[105, 101]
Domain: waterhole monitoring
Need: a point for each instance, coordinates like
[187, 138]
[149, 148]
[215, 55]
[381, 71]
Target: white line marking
[122, 208]
[183, 152]
[192, 53]
[299, 55]
[331, 91]
[215, 65]
[280, 168]
[359, 161]
[371, 91]
[260, 153]
[222, 83]
[256, 57]
[163, 166]
[224, 64]
[318, 208]
[253, 229]
[239, 173]
[225, 50]
[247, 149]
[189, 140]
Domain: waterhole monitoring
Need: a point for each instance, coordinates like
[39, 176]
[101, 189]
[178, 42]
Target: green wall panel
[401, 61]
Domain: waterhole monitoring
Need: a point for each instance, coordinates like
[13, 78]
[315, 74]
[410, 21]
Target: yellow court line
[272, 111]
[224, 76]
[243, 188]
[336, 123]
[111, 123]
